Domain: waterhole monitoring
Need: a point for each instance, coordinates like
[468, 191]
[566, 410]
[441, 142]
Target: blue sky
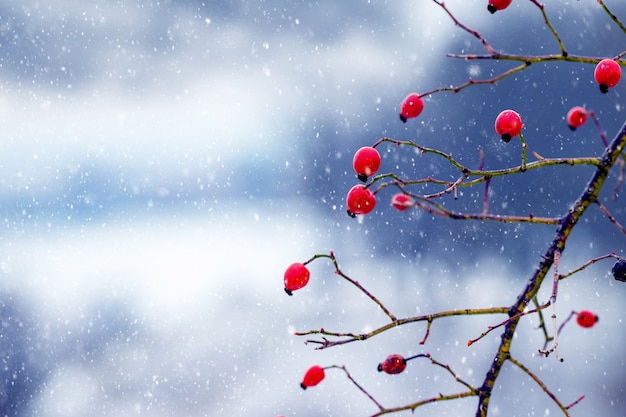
[163, 162]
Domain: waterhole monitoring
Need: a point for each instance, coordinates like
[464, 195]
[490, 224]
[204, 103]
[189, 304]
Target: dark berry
[619, 270]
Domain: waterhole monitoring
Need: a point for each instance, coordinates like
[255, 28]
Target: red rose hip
[619, 270]
[401, 201]
[296, 276]
[586, 319]
[411, 107]
[607, 74]
[508, 125]
[366, 162]
[576, 117]
[495, 5]
[312, 377]
[394, 364]
[360, 200]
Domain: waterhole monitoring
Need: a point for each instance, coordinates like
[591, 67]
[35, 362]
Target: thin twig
[507, 321]
[586, 264]
[472, 32]
[612, 219]
[472, 81]
[363, 390]
[339, 272]
[596, 122]
[552, 302]
[612, 16]
[542, 324]
[439, 210]
[353, 337]
[549, 26]
[415, 405]
[543, 386]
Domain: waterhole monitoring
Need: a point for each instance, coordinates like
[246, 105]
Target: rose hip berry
[508, 125]
[394, 364]
[366, 162]
[411, 107]
[619, 270]
[607, 74]
[586, 319]
[495, 5]
[401, 201]
[312, 377]
[296, 276]
[360, 200]
[576, 117]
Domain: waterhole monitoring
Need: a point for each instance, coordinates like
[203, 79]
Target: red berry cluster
[366, 162]
[360, 199]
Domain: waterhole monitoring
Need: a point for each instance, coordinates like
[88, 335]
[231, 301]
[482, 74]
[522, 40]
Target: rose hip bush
[434, 195]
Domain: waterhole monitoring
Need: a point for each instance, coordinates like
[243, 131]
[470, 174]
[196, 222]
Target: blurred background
[163, 162]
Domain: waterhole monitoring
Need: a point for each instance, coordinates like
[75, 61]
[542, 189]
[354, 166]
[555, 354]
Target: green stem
[524, 149]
